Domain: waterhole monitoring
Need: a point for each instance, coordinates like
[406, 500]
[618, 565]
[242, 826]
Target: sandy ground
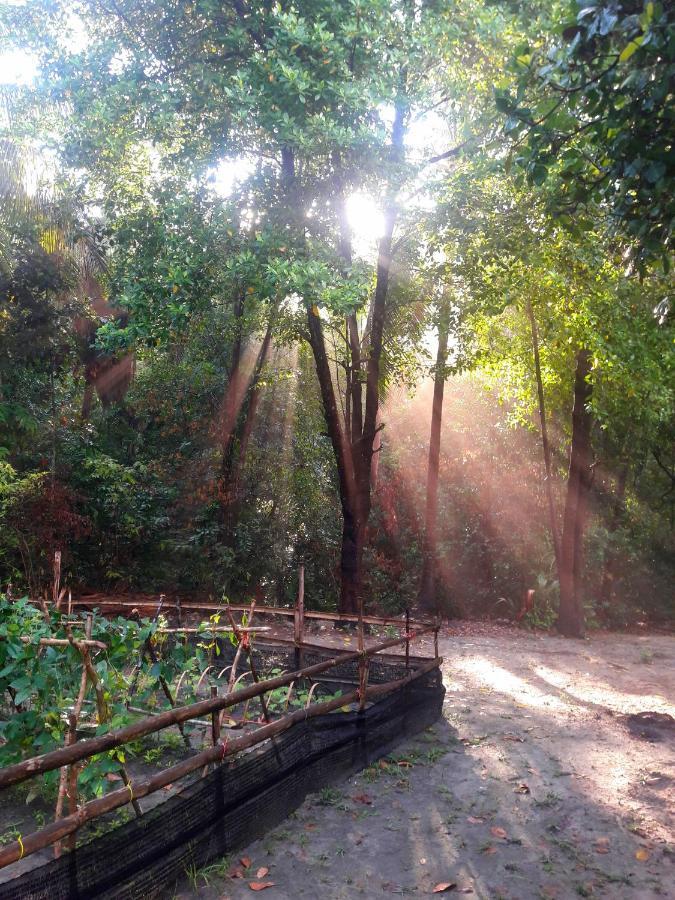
[530, 786]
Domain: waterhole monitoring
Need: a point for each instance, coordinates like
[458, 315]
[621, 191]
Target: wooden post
[215, 719]
[407, 640]
[150, 650]
[363, 661]
[72, 778]
[242, 640]
[57, 579]
[66, 773]
[299, 622]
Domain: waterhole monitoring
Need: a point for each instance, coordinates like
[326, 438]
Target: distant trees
[263, 335]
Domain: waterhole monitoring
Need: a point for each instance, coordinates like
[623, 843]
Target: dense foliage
[202, 387]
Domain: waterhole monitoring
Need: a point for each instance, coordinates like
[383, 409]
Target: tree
[593, 109]
[426, 597]
[591, 326]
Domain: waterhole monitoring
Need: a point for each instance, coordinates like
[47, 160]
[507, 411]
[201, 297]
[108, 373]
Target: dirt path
[531, 786]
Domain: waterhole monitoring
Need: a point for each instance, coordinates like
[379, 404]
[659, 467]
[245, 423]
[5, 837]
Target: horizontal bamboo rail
[64, 756]
[209, 629]
[235, 607]
[64, 642]
[133, 791]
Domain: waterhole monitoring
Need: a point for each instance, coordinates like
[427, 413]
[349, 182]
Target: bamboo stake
[363, 662]
[56, 600]
[299, 619]
[247, 650]
[54, 759]
[233, 671]
[58, 830]
[407, 641]
[72, 778]
[64, 779]
[166, 689]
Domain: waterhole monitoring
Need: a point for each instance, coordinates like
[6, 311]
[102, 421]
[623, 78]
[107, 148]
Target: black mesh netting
[241, 800]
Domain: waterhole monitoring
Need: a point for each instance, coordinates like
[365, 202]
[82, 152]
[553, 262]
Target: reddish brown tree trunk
[427, 592]
[350, 559]
[545, 445]
[239, 457]
[353, 442]
[571, 611]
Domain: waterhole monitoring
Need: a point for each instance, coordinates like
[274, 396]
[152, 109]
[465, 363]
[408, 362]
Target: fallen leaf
[474, 820]
[236, 872]
[262, 871]
[363, 798]
[513, 737]
[405, 764]
[383, 764]
[260, 885]
[310, 826]
[601, 845]
[489, 850]
[246, 862]
[522, 789]
[497, 831]
[444, 886]
[642, 855]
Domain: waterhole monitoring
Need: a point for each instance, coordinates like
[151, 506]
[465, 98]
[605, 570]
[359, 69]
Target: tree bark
[426, 597]
[354, 443]
[350, 560]
[545, 445]
[239, 459]
[571, 612]
[231, 403]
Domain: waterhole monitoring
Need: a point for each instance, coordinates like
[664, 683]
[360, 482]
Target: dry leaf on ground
[246, 862]
[260, 885]
[474, 820]
[522, 788]
[642, 855]
[363, 798]
[497, 831]
[262, 871]
[444, 886]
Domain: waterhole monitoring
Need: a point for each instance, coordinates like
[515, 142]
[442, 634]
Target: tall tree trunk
[350, 562]
[546, 447]
[427, 592]
[353, 445]
[571, 612]
[246, 430]
[366, 446]
[231, 403]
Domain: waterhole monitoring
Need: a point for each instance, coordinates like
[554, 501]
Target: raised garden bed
[244, 783]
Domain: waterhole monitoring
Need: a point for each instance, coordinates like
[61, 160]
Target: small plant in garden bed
[39, 685]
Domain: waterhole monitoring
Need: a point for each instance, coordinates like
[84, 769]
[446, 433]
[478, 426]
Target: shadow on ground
[530, 786]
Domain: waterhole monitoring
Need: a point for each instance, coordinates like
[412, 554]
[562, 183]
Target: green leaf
[630, 48]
